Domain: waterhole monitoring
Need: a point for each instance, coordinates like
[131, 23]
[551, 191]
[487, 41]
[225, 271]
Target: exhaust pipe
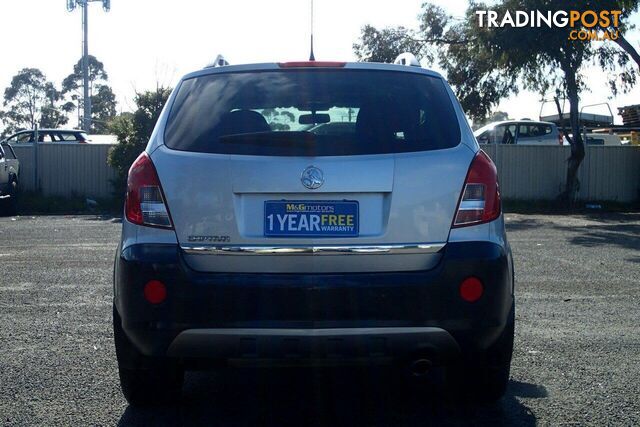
[421, 367]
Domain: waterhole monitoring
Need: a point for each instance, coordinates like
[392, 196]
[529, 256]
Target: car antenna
[312, 56]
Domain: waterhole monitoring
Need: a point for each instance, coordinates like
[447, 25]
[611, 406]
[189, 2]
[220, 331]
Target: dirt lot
[576, 358]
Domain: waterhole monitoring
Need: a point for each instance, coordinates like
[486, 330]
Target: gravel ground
[576, 360]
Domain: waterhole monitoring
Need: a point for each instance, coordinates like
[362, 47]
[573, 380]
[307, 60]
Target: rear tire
[145, 381]
[485, 381]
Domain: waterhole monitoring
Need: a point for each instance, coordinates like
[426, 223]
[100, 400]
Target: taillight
[145, 204]
[560, 138]
[480, 200]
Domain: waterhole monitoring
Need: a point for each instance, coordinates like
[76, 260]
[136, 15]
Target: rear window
[312, 112]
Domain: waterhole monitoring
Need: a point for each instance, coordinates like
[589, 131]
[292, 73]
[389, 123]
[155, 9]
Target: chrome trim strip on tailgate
[410, 248]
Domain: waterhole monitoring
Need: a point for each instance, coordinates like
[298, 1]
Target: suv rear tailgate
[217, 202]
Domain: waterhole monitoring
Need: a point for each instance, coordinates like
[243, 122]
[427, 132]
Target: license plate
[310, 218]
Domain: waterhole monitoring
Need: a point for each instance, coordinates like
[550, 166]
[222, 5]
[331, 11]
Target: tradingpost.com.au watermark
[588, 25]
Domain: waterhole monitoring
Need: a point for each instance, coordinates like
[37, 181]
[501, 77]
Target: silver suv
[249, 237]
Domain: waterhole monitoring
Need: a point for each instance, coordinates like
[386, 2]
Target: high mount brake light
[145, 203]
[480, 200]
[312, 64]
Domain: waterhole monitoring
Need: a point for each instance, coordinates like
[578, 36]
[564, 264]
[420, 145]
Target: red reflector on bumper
[471, 289]
[155, 292]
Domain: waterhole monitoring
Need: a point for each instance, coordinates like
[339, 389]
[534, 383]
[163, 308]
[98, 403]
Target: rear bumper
[331, 345]
[314, 316]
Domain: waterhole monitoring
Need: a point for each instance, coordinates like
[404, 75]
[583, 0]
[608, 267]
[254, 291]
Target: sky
[145, 42]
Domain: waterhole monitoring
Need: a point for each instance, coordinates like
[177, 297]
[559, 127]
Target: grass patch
[30, 203]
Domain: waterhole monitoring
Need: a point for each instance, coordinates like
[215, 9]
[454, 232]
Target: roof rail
[218, 62]
[407, 58]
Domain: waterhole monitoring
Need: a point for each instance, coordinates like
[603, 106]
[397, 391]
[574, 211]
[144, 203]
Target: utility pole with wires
[84, 4]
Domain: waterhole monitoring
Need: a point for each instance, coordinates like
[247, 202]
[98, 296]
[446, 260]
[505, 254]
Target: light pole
[312, 57]
[84, 4]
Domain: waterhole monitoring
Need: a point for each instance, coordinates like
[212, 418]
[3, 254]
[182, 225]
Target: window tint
[8, 152]
[483, 138]
[523, 131]
[45, 137]
[68, 136]
[312, 112]
[503, 134]
[25, 137]
[497, 134]
[534, 130]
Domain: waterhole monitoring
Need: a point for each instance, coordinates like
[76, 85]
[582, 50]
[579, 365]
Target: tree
[478, 86]
[386, 44]
[103, 108]
[627, 7]
[629, 49]
[545, 60]
[30, 99]
[486, 64]
[133, 131]
[53, 114]
[496, 116]
[103, 100]
[278, 119]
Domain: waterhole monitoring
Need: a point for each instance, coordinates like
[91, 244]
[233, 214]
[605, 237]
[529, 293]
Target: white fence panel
[67, 169]
[529, 172]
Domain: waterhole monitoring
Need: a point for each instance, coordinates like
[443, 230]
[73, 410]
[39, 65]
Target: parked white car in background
[9, 173]
[521, 132]
[49, 136]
